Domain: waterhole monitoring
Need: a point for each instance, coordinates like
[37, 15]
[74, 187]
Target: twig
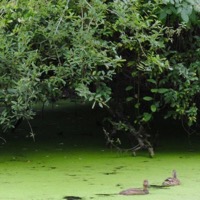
[31, 133]
[3, 139]
[60, 20]
[88, 4]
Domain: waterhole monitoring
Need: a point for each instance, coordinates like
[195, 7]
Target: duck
[137, 191]
[172, 181]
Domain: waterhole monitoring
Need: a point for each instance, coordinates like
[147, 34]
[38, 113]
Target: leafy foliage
[46, 46]
[136, 58]
[186, 10]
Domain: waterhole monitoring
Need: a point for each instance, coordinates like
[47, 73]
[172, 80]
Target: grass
[69, 158]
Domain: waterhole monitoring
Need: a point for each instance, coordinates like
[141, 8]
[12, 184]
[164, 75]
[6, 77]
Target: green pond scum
[69, 160]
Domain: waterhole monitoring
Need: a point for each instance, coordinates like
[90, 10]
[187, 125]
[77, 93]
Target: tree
[161, 73]
[124, 56]
[46, 46]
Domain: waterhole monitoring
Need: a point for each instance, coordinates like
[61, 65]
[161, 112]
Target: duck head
[145, 184]
[174, 174]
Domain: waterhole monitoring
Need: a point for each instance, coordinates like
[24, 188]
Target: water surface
[69, 158]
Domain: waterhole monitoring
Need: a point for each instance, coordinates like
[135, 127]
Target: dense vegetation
[135, 58]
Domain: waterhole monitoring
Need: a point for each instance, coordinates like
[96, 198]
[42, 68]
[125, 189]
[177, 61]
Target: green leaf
[137, 105]
[93, 105]
[147, 98]
[91, 98]
[154, 90]
[153, 108]
[152, 81]
[184, 15]
[147, 117]
[128, 88]
[100, 104]
[129, 99]
[160, 90]
[163, 15]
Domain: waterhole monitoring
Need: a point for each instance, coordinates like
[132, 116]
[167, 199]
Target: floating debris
[72, 198]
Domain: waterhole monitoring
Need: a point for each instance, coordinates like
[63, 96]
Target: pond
[69, 160]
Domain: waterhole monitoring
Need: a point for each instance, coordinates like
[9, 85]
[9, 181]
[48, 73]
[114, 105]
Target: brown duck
[172, 181]
[137, 191]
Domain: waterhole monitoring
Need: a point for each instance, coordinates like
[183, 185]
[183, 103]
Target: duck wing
[171, 182]
[134, 191]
